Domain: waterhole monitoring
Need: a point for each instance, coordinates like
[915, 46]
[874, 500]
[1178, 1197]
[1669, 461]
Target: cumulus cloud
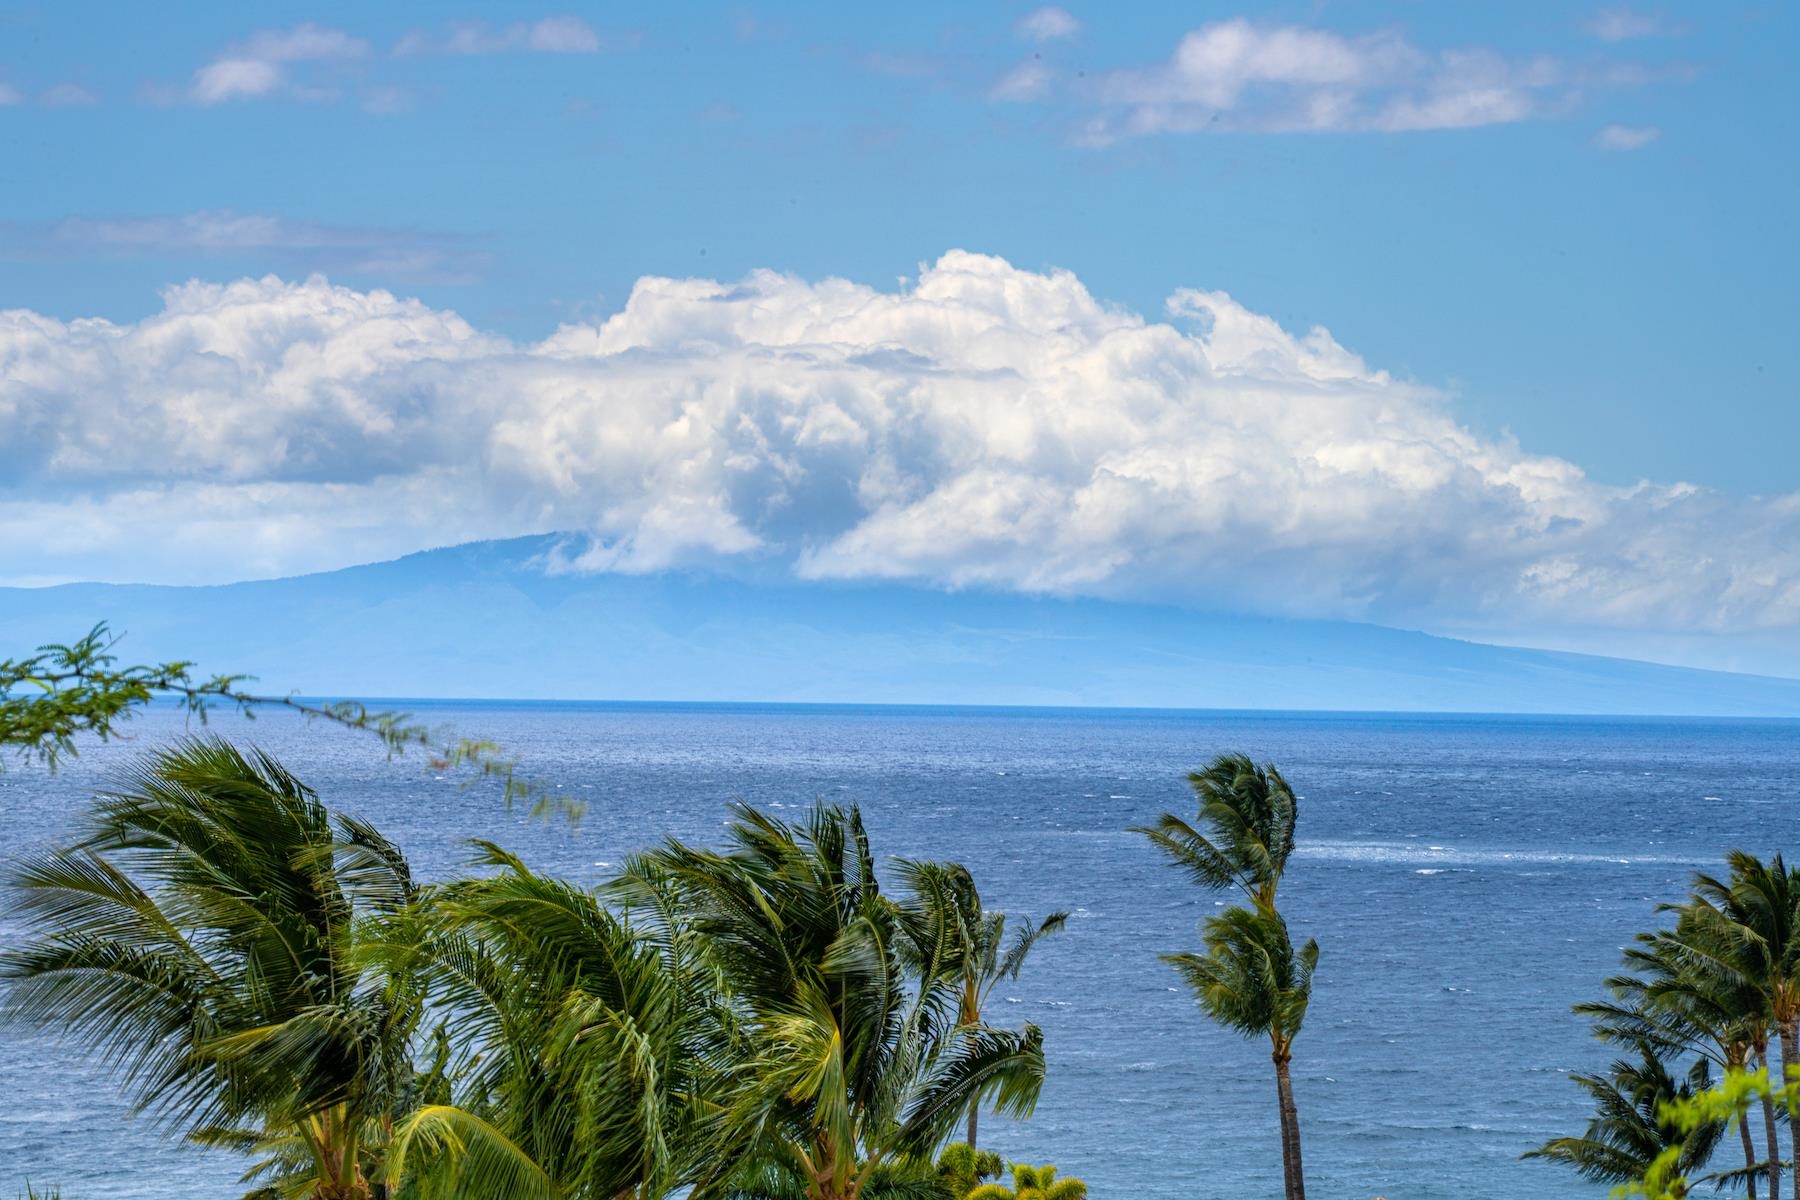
[1626, 137]
[552, 35]
[405, 254]
[260, 66]
[1241, 75]
[1047, 24]
[981, 426]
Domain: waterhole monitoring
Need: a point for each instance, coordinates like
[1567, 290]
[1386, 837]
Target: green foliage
[1250, 979]
[963, 1168]
[758, 1023]
[953, 934]
[1716, 988]
[204, 937]
[1725, 1104]
[1032, 1183]
[850, 1061]
[1634, 1125]
[1244, 832]
[585, 1050]
[49, 700]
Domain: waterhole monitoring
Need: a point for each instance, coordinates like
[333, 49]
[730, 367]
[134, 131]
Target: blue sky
[1629, 309]
[1562, 224]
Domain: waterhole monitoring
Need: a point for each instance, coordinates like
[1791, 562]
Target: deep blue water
[1468, 878]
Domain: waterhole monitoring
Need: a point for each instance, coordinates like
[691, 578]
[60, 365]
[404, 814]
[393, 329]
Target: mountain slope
[482, 620]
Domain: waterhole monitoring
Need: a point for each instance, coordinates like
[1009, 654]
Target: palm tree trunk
[1749, 1156]
[1769, 1129]
[974, 1111]
[1790, 1061]
[1292, 1176]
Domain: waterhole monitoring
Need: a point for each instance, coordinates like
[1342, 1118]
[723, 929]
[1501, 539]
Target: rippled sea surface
[1468, 878]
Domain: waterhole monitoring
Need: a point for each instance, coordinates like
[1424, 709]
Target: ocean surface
[1467, 878]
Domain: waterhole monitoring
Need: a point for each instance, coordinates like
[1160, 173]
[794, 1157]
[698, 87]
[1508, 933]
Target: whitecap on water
[1401, 854]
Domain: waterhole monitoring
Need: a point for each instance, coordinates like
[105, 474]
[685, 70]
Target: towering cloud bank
[984, 425]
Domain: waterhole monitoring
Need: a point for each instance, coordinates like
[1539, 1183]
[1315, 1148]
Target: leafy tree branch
[51, 699]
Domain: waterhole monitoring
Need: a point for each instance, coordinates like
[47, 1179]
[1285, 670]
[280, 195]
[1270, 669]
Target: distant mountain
[483, 621]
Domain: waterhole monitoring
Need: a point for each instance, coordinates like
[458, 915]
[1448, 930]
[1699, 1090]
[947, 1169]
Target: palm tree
[205, 936]
[1244, 832]
[1629, 1130]
[1717, 955]
[848, 1065]
[1250, 980]
[586, 1046]
[946, 902]
[1758, 912]
[1032, 1183]
[1674, 1010]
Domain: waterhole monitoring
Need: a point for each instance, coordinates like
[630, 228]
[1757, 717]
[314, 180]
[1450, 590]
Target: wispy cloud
[398, 254]
[552, 35]
[1047, 24]
[1622, 24]
[1028, 81]
[67, 95]
[60, 95]
[261, 65]
[1243, 76]
[1625, 137]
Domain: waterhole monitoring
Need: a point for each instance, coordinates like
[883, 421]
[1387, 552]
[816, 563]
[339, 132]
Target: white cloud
[1626, 137]
[983, 426]
[1030, 80]
[1622, 24]
[303, 43]
[405, 254]
[235, 78]
[552, 35]
[61, 95]
[259, 66]
[1239, 75]
[1047, 24]
[67, 95]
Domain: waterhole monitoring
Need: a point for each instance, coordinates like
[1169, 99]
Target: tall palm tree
[1630, 1130]
[1674, 1010]
[1251, 980]
[944, 902]
[204, 936]
[1244, 832]
[585, 1047]
[1757, 910]
[849, 1066]
[1717, 955]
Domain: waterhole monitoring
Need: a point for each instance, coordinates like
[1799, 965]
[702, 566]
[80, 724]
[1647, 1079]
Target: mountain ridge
[481, 620]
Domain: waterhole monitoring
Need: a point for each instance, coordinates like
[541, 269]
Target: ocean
[1468, 878]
